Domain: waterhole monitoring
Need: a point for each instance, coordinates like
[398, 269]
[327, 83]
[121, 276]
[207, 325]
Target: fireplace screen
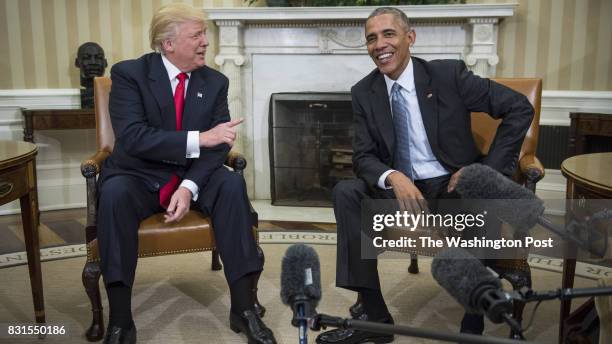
[310, 146]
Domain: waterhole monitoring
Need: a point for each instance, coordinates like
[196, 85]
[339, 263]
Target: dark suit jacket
[141, 107]
[447, 93]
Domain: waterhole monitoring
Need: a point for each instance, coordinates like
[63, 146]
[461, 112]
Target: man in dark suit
[412, 137]
[173, 131]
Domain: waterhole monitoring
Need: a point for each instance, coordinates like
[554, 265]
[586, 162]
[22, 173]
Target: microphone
[519, 206]
[474, 286]
[479, 181]
[301, 285]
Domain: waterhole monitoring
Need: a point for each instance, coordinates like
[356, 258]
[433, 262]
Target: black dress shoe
[118, 335]
[351, 336]
[251, 325]
[357, 309]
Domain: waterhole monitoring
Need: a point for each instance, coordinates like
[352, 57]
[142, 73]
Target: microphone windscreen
[509, 201]
[300, 274]
[461, 274]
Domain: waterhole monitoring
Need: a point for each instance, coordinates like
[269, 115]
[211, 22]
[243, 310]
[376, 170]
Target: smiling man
[412, 137]
[173, 131]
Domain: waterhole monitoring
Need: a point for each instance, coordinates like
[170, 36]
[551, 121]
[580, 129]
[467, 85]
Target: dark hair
[397, 13]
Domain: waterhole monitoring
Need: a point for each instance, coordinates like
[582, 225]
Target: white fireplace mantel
[271, 14]
[266, 50]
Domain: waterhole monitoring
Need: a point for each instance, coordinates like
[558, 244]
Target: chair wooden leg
[91, 278]
[259, 309]
[414, 264]
[216, 263]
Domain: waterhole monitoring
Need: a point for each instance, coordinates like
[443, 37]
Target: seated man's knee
[117, 190]
[347, 189]
[233, 183]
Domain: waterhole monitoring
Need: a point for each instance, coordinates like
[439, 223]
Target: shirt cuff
[381, 180]
[191, 186]
[193, 145]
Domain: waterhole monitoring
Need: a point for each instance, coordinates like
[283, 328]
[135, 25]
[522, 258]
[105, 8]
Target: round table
[591, 171]
[589, 176]
[18, 181]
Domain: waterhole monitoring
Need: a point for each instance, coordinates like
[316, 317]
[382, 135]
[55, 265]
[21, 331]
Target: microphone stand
[303, 329]
[324, 320]
[562, 294]
[302, 311]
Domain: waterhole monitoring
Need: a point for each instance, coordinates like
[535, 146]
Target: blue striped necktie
[402, 135]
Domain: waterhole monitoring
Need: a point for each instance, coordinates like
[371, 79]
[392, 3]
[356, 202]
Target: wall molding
[556, 105]
[12, 121]
[55, 166]
[41, 98]
[275, 14]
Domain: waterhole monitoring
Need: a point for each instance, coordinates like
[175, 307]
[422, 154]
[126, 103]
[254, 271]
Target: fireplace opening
[310, 146]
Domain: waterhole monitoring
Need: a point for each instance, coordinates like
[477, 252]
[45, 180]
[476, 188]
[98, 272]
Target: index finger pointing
[235, 122]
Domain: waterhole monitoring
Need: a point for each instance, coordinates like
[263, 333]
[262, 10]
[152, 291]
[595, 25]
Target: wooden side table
[18, 180]
[588, 177]
[53, 119]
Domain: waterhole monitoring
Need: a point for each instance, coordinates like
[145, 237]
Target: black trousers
[353, 272]
[125, 201]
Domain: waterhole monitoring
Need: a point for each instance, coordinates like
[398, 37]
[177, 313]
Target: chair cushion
[193, 233]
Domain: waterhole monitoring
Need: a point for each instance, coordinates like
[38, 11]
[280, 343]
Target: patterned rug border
[585, 270]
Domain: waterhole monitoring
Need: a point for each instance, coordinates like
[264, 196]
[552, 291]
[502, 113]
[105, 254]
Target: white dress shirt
[423, 161]
[192, 151]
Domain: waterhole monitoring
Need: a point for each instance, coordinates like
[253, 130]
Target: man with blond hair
[173, 131]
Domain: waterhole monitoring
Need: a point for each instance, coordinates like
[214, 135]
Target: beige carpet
[178, 299]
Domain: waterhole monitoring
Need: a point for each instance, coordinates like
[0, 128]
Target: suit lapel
[382, 111]
[428, 100]
[162, 92]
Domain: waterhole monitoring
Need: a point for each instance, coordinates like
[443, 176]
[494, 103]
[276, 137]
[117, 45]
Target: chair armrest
[91, 166]
[236, 161]
[532, 169]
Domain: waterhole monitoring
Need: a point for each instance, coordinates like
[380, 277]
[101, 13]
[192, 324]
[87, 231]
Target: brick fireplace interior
[310, 146]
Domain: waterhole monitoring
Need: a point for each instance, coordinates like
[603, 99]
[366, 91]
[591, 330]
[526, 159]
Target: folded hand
[179, 205]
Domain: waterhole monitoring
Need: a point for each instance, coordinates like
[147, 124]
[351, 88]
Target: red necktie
[165, 193]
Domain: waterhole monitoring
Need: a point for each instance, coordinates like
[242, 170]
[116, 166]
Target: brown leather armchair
[529, 172]
[155, 238]
[530, 169]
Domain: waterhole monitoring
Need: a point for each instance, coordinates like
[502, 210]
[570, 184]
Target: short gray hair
[397, 13]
